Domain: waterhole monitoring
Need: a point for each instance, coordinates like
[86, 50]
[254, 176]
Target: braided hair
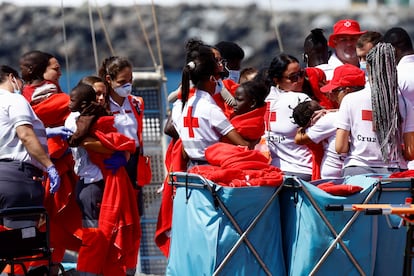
[382, 74]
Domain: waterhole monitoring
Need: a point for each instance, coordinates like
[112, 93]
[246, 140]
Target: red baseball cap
[345, 75]
[344, 27]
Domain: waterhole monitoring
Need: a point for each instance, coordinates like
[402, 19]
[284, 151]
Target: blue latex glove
[116, 161]
[64, 132]
[54, 178]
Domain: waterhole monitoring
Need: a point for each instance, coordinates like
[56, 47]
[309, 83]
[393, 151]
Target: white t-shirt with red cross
[200, 124]
[281, 130]
[324, 130]
[125, 120]
[355, 115]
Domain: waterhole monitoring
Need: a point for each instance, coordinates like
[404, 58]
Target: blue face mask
[123, 90]
[16, 89]
[219, 86]
[234, 75]
[363, 67]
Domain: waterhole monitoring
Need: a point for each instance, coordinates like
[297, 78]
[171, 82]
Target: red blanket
[339, 189]
[317, 79]
[250, 125]
[113, 246]
[64, 212]
[174, 163]
[237, 166]
[231, 86]
[408, 174]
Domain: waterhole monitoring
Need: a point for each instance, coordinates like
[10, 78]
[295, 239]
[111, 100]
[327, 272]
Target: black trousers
[20, 186]
[89, 198]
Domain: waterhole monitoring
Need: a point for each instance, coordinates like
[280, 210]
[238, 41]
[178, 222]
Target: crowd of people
[77, 155]
[345, 112]
[342, 112]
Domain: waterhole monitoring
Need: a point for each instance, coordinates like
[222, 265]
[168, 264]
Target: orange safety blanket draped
[175, 163]
[113, 247]
[237, 166]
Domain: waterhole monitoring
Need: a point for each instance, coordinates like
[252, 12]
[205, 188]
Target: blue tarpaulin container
[203, 235]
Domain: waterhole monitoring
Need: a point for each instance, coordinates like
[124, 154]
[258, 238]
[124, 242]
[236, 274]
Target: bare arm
[95, 145]
[301, 138]
[342, 141]
[409, 146]
[32, 144]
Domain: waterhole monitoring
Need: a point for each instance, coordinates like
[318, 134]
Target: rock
[29, 28]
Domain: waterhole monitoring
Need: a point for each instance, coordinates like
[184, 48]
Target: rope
[141, 23]
[276, 29]
[108, 39]
[66, 48]
[95, 51]
[157, 35]
[382, 74]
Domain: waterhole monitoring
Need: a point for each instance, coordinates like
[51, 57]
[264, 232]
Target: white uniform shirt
[327, 69]
[324, 130]
[16, 111]
[333, 62]
[83, 167]
[281, 130]
[200, 124]
[125, 121]
[355, 115]
[405, 69]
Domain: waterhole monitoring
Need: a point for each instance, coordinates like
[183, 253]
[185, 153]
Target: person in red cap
[346, 79]
[343, 40]
[372, 124]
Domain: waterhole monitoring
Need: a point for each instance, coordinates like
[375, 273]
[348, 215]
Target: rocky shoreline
[29, 28]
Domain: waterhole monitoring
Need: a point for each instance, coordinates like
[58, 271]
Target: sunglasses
[295, 76]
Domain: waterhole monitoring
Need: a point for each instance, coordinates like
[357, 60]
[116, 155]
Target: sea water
[70, 80]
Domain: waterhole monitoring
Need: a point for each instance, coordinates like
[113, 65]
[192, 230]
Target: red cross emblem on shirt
[190, 122]
[270, 116]
[366, 115]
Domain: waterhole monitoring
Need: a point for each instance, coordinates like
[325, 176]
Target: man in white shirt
[343, 40]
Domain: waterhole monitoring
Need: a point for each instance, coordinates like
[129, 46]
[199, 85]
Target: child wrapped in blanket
[117, 235]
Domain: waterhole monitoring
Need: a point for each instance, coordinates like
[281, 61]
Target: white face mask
[16, 88]
[219, 86]
[123, 90]
[234, 75]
